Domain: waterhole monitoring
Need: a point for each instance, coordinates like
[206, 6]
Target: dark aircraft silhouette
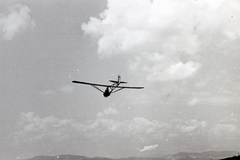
[109, 88]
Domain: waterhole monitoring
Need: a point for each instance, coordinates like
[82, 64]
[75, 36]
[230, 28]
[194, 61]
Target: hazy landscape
[210, 155]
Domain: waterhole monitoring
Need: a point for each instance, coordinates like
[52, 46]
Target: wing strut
[117, 90]
[97, 88]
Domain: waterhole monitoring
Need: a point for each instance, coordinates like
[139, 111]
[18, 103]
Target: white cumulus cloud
[107, 111]
[17, 20]
[193, 102]
[175, 71]
[66, 89]
[148, 148]
[32, 128]
[163, 38]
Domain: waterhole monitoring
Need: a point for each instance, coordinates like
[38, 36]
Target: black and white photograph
[119, 79]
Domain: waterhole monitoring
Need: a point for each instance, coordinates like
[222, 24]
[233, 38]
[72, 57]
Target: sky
[184, 53]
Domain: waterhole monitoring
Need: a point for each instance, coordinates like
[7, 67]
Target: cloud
[202, 132]
[220, 129]
[148, 148]
[107, 111]
[106, 126]
[32, 128]
[47, 92]
[175, 71]
[140, 125]
[187, 130]
[226, 127]
[193, 102]
[16, 21]
[233, 119]
[163, 39]
[193, 125]
[33, 122]
[103, 123]
[66, 89]
[142, 25]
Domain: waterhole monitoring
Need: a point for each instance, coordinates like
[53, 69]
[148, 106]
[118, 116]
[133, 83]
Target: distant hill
[232, 158]
[210, 155]
[59, 157]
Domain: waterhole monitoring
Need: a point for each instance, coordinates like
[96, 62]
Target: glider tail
[118, 81]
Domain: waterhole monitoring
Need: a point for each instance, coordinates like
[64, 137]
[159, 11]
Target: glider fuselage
[106, 92]
[110, 89]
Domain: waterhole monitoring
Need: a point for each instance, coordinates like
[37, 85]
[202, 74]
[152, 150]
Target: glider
[115, 87]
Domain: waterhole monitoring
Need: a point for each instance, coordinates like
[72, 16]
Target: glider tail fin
[118, 81]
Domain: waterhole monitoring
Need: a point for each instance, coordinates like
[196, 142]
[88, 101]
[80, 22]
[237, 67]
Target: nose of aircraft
[106, 93]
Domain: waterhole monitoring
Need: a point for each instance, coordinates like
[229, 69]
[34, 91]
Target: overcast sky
[185, 54]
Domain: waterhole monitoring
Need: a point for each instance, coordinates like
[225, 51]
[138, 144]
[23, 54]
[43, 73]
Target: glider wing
[129, 87]
[103, 85]
[92, 84]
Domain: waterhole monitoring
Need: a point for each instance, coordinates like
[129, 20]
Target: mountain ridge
[208, 155]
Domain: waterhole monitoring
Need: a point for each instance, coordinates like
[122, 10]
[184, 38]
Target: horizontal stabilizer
[117, 81]
[123, 82]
